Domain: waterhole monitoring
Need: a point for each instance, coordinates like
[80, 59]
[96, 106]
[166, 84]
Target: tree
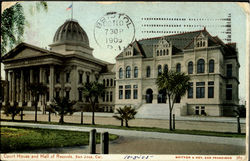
[125, 114]
[92, 91]
[12, 110]
[176, 84]
[36, 90]
[63, 106]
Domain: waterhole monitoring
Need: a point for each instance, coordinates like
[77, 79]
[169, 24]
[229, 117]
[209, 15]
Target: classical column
[17, 89]
[10, 87]
[40, 103]
[22, 96]
[31, 81]
[51, 83]
[6, 96]
[13, 87]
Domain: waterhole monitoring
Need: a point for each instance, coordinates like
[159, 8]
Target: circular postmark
[114, 31]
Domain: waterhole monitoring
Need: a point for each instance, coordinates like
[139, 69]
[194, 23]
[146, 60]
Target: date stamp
[114, 31]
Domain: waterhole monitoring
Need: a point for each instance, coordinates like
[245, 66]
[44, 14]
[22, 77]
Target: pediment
[164, 42]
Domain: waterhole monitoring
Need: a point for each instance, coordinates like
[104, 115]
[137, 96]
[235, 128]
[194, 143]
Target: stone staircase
[153, 111]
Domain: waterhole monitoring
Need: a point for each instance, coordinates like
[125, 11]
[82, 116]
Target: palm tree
[176, 84]
[125, 114]
[92, 91]
[36, 90]
[63, 106]
[12, 110]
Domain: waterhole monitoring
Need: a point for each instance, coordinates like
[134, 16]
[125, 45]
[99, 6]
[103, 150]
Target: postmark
[114, 31]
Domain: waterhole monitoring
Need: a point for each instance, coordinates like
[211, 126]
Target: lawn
[15, 138]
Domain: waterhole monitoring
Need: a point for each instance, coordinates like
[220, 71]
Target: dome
[71, 32]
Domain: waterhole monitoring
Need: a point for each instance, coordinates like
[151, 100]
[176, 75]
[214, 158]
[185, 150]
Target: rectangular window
[229, 70]
[120, 92]
[135, 92]
[107, 96]
[197, 110]
[190, 90]
[80, 78]
[127, 91]
[229, 92]
[67, 77]
[203, 110]
[111, 96]
[67, 94]
[80, 95]
[200, 89]
[210, 92]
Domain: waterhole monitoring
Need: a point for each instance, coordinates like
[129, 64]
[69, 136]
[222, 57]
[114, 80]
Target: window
[114, 82]
[111, 96]
[104, 82]
[190, 90]
[120, 92]
[229, 70]
[136, 72]
[203, 43]
[190, 67]
[203, 110]
[67, 94]
[178, 67]
[103, 97]
[107, 96]
[197, 110]
[200, 89]
[120, 73]
[128, 72]
[164, 52]
[157, 52]
[167, 51]
[107, 82]
[80, 78]
[148, 71]
[127, 91]
[211, 66]
[211, 89]
[47, 77]
[57, 77]
[201, 66]
[47, 96]
[87, 79]
[165, 68]
[67, 77]
[80, 95]
[57, 94]
[111, 82]
[159, 70]
[135, 92]
[229, 92]
[161, 53]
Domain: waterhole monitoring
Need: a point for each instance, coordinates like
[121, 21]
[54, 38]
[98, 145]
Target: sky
[171, 18]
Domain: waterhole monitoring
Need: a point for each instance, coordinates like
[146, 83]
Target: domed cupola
[69, 37]
[71, 31]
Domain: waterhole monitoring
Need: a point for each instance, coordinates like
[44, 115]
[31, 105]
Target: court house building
[212, 65]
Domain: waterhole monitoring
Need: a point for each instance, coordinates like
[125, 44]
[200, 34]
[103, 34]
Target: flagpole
[72, 11]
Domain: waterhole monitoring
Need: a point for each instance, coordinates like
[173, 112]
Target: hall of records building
[212, 65]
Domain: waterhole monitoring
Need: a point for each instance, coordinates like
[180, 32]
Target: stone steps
[153, 111]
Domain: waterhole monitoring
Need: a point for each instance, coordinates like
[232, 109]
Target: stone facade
[212, 65]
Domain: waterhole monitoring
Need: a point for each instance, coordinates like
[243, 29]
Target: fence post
[105, 143]
[22, 115]
[92, 141]
[81, 117]
[49, 116]
[174, 121]
[238, 124]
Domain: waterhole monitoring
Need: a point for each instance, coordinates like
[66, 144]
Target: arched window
[128, 72]
[167, 51]
[135, 72]
[201, 66]
[204, 43]
[198, 44]
[157, 52]
[165, 68]
[107, 82]
[164, 52]
[111, 82]
[178, 67]
[159, 70]
[161, 53]
[211, 66]
[190, 67]
[104, 82]
[148, 71]
[120, 73]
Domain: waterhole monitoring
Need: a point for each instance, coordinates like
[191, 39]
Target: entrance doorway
[149, 95]
[161, 96]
